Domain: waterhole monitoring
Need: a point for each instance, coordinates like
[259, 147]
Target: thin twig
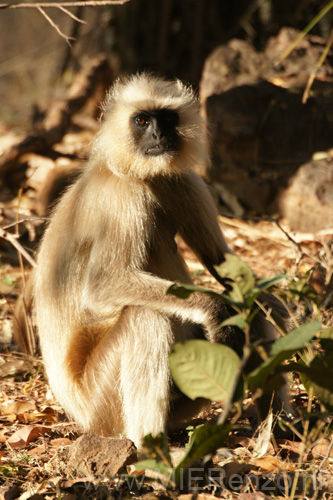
[58, 5]
[73, 16]
[297, 245]
[318, 66]
[12, 238]
[24, 221]
[55, 26]
[306, 30]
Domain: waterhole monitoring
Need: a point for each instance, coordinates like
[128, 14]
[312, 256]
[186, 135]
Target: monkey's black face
[155, 131]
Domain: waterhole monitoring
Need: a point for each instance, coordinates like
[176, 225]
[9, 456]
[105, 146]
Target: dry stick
[318, 65]
[12, 238]
[73, 16]
[63, 8]
[23, 221]
[55, 26]
[58, 5]
[74, 32]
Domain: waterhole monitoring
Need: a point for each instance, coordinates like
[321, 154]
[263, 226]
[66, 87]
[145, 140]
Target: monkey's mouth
[156, 151]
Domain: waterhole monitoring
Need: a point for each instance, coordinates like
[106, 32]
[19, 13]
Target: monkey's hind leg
[88, 384]
[146, 340]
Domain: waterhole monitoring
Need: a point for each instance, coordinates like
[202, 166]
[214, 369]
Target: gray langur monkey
[108, 256]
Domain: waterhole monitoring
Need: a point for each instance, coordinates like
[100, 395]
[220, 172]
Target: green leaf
[153, 465]
[236, 320]
[202, 369]
[326, 333]
[240, 274]
[326, 339]
[319, 376]
[283, 348]
[183, 291]
[157, 447]
[266, 283]
[296, 339]
[206, 439]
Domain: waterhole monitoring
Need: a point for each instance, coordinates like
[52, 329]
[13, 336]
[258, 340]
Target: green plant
[214, 371]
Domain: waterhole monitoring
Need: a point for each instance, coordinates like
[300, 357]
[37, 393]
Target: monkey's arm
[200, 228]
[142, 289]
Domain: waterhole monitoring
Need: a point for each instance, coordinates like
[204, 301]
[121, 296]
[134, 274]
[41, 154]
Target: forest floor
[34, 431]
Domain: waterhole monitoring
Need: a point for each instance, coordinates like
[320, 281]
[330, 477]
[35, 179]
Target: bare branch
[70, 14]
[78, 3]
[63, 6]
[55, 26]
[23, 221]
[12, 238]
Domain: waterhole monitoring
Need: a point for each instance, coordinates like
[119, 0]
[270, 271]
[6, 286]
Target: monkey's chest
[162, 233]
[163, 258]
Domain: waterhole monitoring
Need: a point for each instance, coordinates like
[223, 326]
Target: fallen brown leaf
[10, 418]
[45, 417]
[320, 450]
[49, 410]
[26, 434]
[235, 468]
[244, 441]
[294, 447]
[17, 407]
[270, 464]
[38, 450]
[60, 442]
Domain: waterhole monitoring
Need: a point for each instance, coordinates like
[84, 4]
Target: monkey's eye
[141, 121]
